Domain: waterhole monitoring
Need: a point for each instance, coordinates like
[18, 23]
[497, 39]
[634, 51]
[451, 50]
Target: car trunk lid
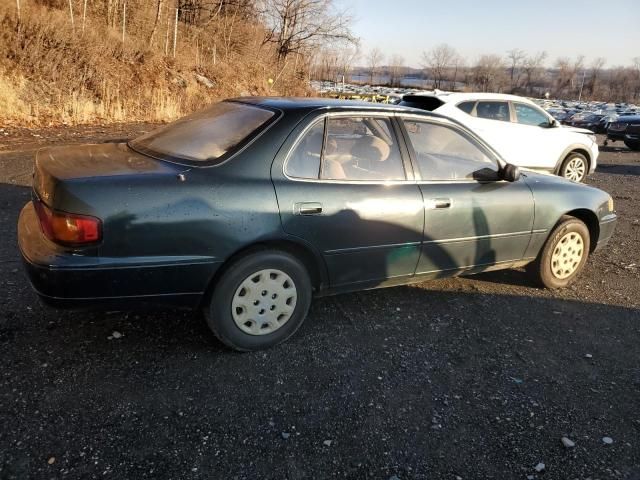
[58, 167]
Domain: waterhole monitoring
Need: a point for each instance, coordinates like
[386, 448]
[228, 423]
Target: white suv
[520, 131]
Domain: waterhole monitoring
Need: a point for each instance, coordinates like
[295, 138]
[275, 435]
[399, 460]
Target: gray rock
[567, 442]
[285, 435]
[607, 440]
[202, 80]
[539, 467]
[327, 443]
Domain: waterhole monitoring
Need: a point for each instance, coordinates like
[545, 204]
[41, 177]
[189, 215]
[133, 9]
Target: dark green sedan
[251, 207]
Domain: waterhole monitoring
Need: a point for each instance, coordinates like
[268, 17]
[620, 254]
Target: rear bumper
[69, 279]
[607, 227]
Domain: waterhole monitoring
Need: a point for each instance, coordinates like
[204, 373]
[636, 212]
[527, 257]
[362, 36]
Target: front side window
[493, 111]
[210, 135]
[528, 115]
[361, 149]
[444, 153]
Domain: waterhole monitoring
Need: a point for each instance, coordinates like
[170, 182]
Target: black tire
[541, 270]
[218, 310]
[635, 146]
[568, 167]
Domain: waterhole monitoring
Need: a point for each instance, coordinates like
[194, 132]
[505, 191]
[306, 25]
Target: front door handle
[307, 208]
[441, 202]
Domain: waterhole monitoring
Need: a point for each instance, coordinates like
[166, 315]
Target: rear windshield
[209, 135]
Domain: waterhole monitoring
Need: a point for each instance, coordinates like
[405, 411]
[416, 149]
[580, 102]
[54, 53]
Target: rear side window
[304, 159]
[210, 135]
[355, 149]
[493, 111]
[361, 149]
[527, 115]
[467, 107]
[444, 153]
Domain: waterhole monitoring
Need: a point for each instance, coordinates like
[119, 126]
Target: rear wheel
[575, 167]
[632, 145]
[260, 301]
[563, 255]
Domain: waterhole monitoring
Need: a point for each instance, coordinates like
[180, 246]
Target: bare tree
[596, 68]
[515, 57]
[567, 70]
[489, 73]
[73, 26]
[457, 64]
[396, 69]
[437, 60]
[159, 5]
[532, 67]
[374, 59]
[297, 26]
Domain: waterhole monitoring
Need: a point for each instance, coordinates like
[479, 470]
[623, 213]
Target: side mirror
[510, 173]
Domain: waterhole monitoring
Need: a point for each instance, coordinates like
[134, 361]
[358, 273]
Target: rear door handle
[307, 208]
[441, 202]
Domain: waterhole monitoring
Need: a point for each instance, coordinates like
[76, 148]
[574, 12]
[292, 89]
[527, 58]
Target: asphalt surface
[468, 378]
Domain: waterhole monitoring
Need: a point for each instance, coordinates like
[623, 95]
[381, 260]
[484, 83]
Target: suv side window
[360, 149]
[528, 115]
[304, 158]
[445, 153]
[493, 110]
[467, 107]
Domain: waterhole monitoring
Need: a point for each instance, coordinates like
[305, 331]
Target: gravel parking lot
[469, 378]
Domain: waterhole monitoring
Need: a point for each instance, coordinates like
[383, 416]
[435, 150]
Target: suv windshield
[209, 135]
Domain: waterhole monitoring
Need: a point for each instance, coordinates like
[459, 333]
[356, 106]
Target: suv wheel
[574, 167]
[563, 256]
[260, 301]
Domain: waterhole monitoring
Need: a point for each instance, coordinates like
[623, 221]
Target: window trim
[486, 149]
[407, 165]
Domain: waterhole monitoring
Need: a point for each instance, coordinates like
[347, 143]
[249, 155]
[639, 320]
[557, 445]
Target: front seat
[369, 154]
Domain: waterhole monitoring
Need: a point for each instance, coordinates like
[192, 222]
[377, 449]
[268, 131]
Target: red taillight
[68, 228]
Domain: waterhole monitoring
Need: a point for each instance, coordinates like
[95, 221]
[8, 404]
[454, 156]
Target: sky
[609, 29]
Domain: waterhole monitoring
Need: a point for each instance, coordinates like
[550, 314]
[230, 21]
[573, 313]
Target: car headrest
[372, 148]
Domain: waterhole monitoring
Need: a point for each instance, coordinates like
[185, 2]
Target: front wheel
[260, 301]
[563, 255]
[632, 145]
[575, 167]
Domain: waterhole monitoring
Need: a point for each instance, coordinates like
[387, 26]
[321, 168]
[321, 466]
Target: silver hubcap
[567, 255]
[575, 169]
[264, 302]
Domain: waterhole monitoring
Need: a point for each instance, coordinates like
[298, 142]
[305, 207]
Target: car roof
[315, 103]
[449, 97]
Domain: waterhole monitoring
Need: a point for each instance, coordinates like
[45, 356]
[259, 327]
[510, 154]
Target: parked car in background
[590, 121]
[617, 130]
[522, 132]
[251, 207]
[632, 136]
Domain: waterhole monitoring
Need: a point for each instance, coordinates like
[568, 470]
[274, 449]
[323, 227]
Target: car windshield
[209, 135]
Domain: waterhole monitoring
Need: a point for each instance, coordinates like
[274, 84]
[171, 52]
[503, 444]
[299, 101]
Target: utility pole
[582, 86]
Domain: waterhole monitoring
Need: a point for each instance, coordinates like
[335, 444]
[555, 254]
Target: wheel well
[591, 221]
[576, 150]
[310, 261]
